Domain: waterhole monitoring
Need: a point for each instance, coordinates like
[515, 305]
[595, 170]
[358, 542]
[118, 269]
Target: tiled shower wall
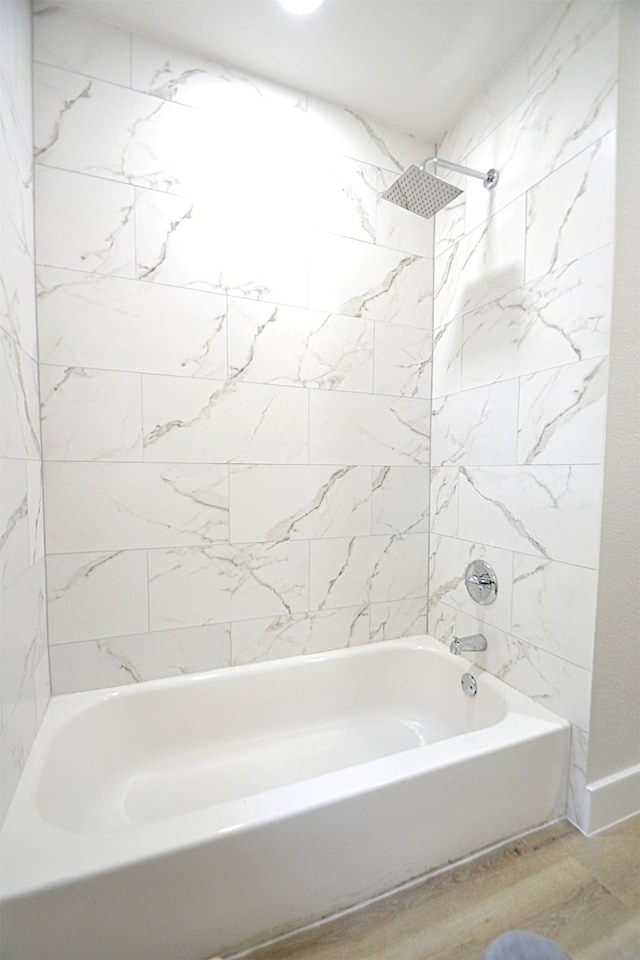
[24, 668]
[523, 282]
[235, 337]
[235, 342]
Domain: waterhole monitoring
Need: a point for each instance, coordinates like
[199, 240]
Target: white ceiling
[413, 64]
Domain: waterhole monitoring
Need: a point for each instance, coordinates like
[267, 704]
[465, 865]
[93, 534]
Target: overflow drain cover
[469, 684]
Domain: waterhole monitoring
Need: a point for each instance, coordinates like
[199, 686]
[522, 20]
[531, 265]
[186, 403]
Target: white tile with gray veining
[398, 618]
[14, 69]
[171, 73]
[444, 501]
[581, 85]
[16, 150]
[542, 334]
[90, 414]
[278, 502]
[482, 115]
[128, 506]
[449, 223]
[168, 234]
[42, 680]
[476, 426]
[343, 131]
[90, 320]
[209, 244]
[545, 511]
[20, 435]
[85, 223]
[347, 571]
[441, 622]
[577, 797]
[569, 213]
[81, 44]
[113, 661]
[400, 500]
[554, 607]
[561, 415]
[17, 296]
[484, 265]
[95, 595]
[235, 111]
[24, 670]
[562, 317]
[253, 641]
[15, 555]
[97, 128]
[277, 344]
[402, 365]
[362, 280]
[564, 34]
[363, 429]
[194, 420]
[536, 139]
[344, 197]
[23, 615]
[191, 586]
[36, 514]
[19, 732]
[447, 358]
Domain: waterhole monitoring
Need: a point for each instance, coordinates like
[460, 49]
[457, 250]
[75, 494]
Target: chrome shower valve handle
[481, 582]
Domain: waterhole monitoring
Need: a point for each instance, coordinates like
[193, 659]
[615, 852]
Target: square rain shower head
[420, 192]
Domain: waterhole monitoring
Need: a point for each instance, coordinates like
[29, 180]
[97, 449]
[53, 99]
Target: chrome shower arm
[468, 172]
[490, 178]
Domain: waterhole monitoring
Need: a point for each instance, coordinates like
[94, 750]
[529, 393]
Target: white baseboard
[612, 799]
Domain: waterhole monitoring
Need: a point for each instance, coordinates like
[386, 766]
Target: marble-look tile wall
[24, 668]
[235, 343]
[523, 281]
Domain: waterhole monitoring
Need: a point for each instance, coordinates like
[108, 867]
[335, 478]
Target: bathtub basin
[193, 816]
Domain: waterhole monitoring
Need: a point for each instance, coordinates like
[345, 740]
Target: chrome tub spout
[476, 641]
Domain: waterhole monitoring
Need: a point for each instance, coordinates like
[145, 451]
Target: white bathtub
[197, 815]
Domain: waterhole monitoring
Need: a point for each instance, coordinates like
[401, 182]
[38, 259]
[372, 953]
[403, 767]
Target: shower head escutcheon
[423, 193]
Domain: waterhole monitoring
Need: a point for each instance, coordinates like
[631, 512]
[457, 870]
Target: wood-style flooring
[582, 892]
